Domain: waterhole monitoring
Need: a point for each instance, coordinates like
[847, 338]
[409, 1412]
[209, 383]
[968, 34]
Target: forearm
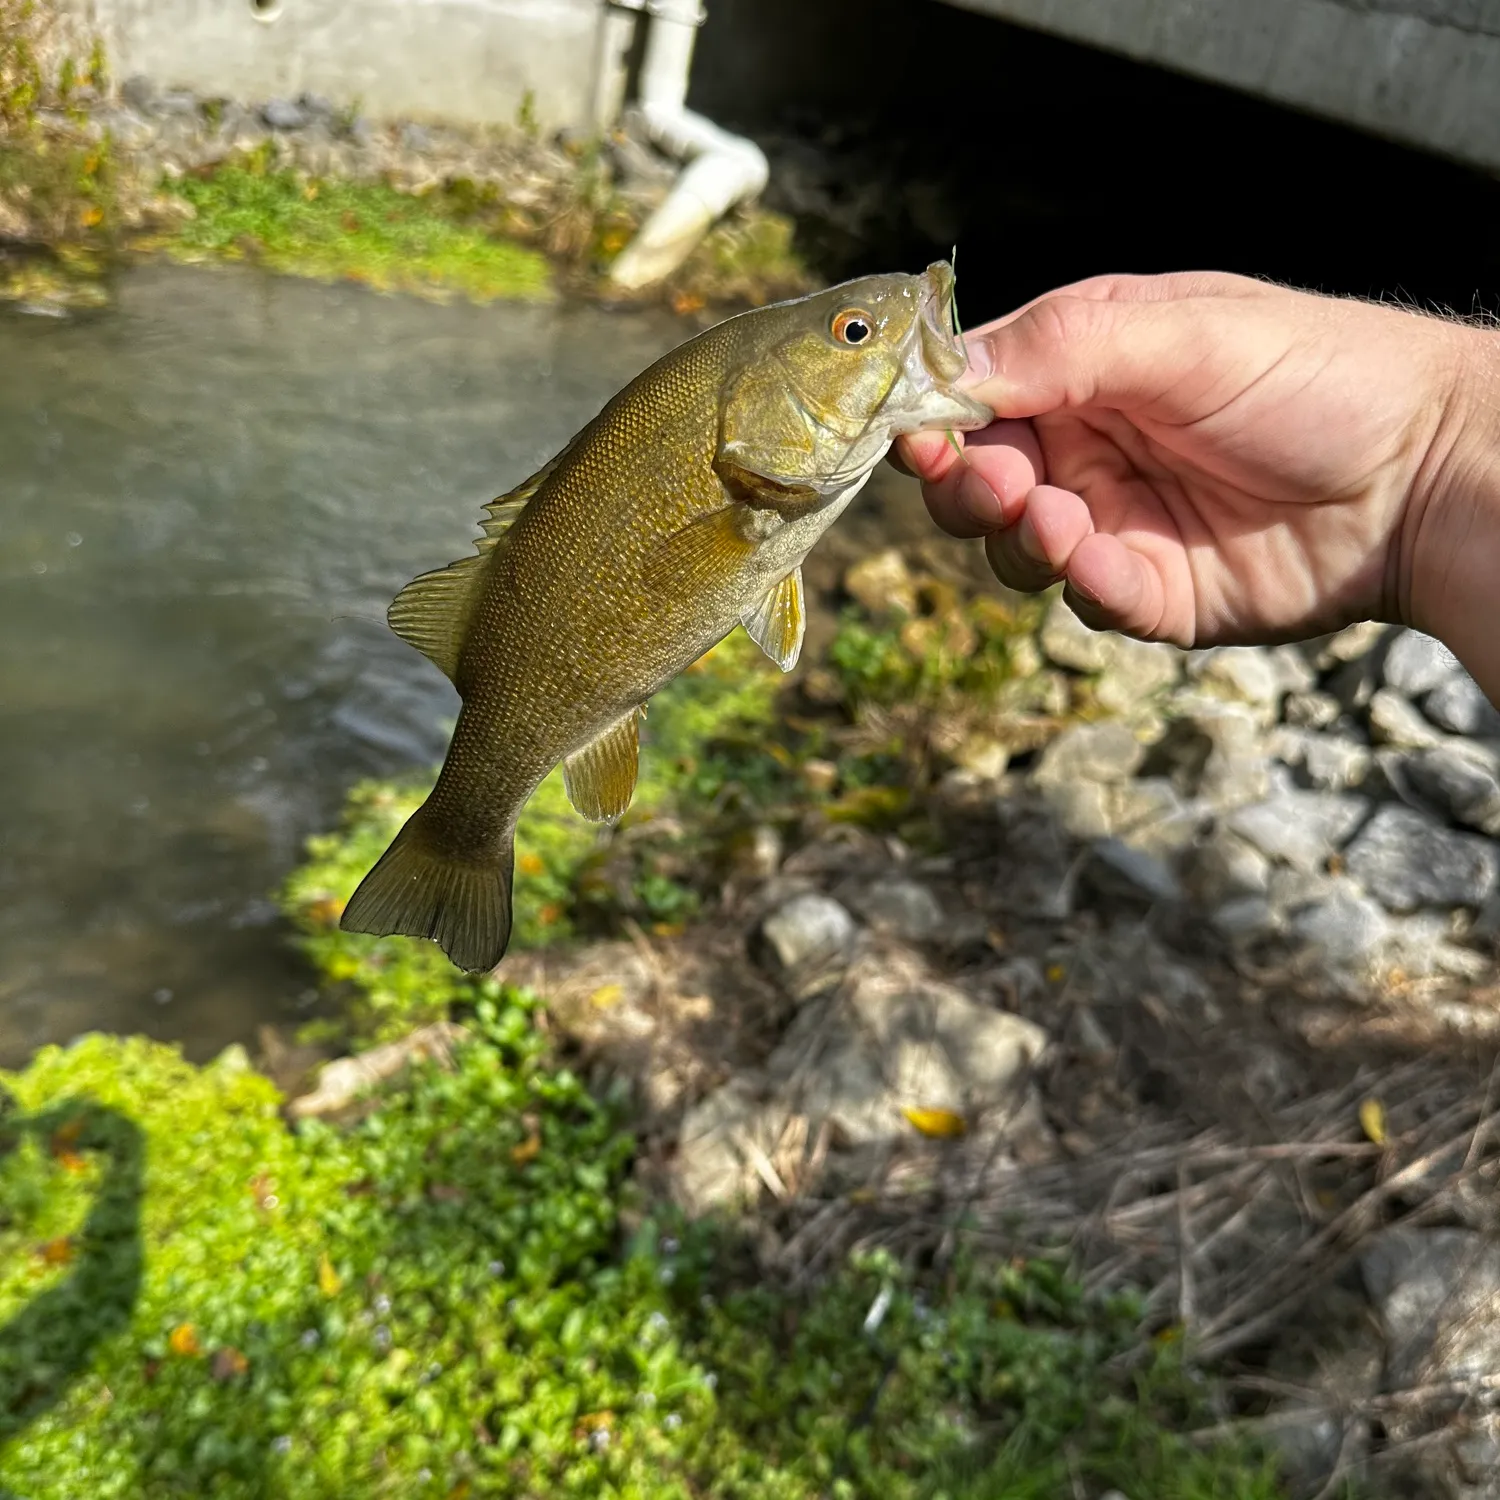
[1454, 540]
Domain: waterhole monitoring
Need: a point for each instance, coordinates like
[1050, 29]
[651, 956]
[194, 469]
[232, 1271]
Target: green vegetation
[357, 231]
[443, 1300]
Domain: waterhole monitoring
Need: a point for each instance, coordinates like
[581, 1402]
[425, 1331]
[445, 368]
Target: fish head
[832, 379]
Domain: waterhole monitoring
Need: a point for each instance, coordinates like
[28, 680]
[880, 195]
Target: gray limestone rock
[1407, 860]
[809, 931]
[1416, 663]
[1300, 828]
[1393, 721]
[1459, 705]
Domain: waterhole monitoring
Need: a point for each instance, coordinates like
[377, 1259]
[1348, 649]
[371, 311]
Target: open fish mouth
[942, 349]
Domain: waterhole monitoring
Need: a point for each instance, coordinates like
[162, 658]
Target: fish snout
[942, 351]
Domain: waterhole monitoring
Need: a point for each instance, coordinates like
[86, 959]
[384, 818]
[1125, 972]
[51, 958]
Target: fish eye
[853, 326]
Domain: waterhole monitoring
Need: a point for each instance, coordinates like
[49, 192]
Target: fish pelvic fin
[417, 891]
[704, 554]
[776, 621]
[600, 778]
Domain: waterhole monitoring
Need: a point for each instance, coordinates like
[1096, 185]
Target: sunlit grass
[353, 231]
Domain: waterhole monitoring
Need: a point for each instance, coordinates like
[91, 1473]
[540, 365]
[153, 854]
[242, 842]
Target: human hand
[1209, 459]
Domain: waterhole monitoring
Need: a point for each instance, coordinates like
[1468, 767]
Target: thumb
[1124, 344]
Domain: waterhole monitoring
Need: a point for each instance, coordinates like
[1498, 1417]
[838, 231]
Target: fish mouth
[942, 348]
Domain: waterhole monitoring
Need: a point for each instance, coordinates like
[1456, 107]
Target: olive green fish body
[682, 510]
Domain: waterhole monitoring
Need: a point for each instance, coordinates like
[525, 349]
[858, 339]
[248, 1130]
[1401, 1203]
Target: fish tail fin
[416, 890]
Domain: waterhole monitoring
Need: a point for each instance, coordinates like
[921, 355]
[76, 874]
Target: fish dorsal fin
[704, 553]
[433, 611]
[776, 620]
[600, 778]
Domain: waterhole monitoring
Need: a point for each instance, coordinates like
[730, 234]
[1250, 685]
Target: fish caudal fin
[417, 892]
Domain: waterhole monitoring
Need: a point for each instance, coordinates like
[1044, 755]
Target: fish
[682, 511]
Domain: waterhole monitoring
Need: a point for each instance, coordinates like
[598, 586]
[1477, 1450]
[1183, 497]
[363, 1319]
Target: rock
[1135, 672]
[1462, 781]
[1246, 917]
[939, 1048]
[1329, 762]
[317, 106]
[1393, 721]
[1068, 642]
[1416, 663]
[416, 138]
[809, 932]
[177, 102]
[1081, 807]
[1150, 815]
[1144, 874]
[1101, 752]
[985, 756]
[904, 908]
[1300, 828]
[1293, 672]
[1214, 752]
[138, 93]
[341, 1082]
[714, 1162]
[283, 114]
[1419, 946]
[1406, 860]
[1245, 672]
[1355, 683]
[1437, 1295]
[1223, 866]
[1459, 705]
[1351, 643]
[1311, 710]
[1345, 926]
[882, 583]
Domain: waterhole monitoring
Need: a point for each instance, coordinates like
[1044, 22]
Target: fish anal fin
[705, 553]
[433, 611]
[600, 778]
[776, 621]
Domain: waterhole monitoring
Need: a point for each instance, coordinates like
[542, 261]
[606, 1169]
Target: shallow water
[208, 496]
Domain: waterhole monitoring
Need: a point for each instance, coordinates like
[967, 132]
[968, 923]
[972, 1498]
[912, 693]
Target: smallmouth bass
[683, 509]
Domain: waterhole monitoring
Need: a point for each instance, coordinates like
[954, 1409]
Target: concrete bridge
[1424, 72]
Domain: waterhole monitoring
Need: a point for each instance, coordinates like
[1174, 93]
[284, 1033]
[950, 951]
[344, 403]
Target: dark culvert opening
[899, 128]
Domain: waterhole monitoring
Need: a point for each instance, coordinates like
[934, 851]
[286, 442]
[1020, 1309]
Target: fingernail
[978, 500]
[1030, 543]
[980, 364]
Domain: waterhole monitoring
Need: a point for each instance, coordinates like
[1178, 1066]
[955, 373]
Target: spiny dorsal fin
[433, 611]
[600, 778]
[776, 620]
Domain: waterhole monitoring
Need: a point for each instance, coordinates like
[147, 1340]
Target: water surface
[208, 496]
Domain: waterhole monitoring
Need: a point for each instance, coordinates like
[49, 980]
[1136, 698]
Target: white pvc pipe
[722, 169]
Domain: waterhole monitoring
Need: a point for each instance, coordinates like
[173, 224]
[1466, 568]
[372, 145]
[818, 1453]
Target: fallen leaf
[58, 1252]
[1056, 973]
[328, 1279]
[325, 912]
[71, 1161]
[92, 217]
[530, 864]
[592, 1421]
[227, 1363]
[1372, 1120]
[527, 1149]
[686, 302]
[607, 995]
[183, 1339]
[940, 1124]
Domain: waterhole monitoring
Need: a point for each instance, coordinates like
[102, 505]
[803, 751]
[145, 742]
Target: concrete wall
[1426, 72]
[466, 60]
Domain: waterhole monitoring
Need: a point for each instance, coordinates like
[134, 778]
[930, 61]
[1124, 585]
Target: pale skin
[1212, 460]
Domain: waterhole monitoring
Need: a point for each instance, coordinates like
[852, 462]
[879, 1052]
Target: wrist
[1451, 534]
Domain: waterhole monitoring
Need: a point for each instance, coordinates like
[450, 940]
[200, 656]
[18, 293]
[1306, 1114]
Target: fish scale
[683, 509]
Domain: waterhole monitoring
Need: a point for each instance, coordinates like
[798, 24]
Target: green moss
[196, 1301]
[339, 230]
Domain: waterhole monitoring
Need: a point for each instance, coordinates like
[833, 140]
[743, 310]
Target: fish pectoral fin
[789, 498]
[776, 621]
[704, 553]
[433, 611]
[600, 778]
